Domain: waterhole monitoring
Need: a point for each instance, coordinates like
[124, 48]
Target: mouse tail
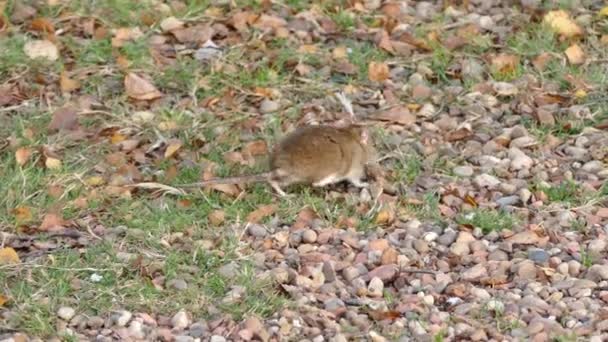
[230, 180]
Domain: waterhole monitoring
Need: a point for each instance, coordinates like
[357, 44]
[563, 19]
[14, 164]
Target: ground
[487, 212]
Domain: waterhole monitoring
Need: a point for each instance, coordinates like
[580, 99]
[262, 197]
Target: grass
[487, 220]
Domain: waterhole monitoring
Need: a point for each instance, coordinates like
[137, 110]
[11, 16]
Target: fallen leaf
[339, 52]
[256, 148]
[67, 84]
[52, 163]
[216, 217]
[8, 256]
[52, 222]
[602, 212]
[458, 134]
[378, 71]
[524, 238]
[604, 11]
[385, 216]
[397, 114]
[504, 63]
[261, 212]
[125, 34]
[95, 181]
[22, 214]
[171, 23]
[55, 191]
[541, 60]
[575, 54]
[42, 25]
[41, 49]
[561, 23]
[228, 189]
[117, 138]
[3, 300]
[22, 155]
[139, 88]
[64, 118]
[345, 67]
[172, 148]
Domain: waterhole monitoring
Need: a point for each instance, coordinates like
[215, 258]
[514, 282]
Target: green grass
[565, 192]
[488, 220]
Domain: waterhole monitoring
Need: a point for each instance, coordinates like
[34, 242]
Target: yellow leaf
[575, 54]
[561, 23]
[172, 148]
[8, 256]
[604, 12]
[3, 300]
[95, 181]
[385, 216]
[339, 52]
[117, 137]
[580, 94]
[68, 84]
[52, 163]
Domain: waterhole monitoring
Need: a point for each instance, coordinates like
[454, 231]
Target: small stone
[390, 256]
[95, 322]
[180, 320]
[421, 92]
[257, 230]
[350, 273]
[480, 293]
[465, 237]
[526, 270]
[333, 304]
[329, 272]
[474, 273]
[428, 300]
[486, 181]
[421, 246]
[217, 338]
[309, 236]
[496, 305]
[597, 272]
[197, 329]
[375, 287]
[508, 200]
[269, 106]
[596, 246]
[519, 160]
[385, 272]
[66, 313]
[430, 236]
[378, 245]
[123, 318]
[229, 270]
[136, 330]
[447, 238]
[171, 23]
[538, 255]
[460, 248]
[178, 284]
[525, 195]
[593, 166]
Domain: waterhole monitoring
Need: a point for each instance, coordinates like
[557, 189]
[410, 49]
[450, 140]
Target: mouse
[317, 155]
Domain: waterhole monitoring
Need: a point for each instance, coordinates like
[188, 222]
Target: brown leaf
[385, 42]
[241, 20]
[345, 67]
[504, 63]
[52, 163]
[22, 214]
[397, 114]
[339, 52]
[9, 256]
[198, 34]
[378, 71]
[261, 212]
[125, 34]
[139, 88]
[216, 217]
[52, 222]
[408, 38]
[3, 300]
[173, 147]
[64, 118]
[22, 155]
[266, 21]
[458, 134]
[256, 148]
[42, 25]
[385, 216]
[228, 189]
[379, 315]
[41, 49]
[540, 62]
[575, 54]
[67, 84]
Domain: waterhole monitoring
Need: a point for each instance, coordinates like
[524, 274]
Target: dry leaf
[22, 214]
[385, 216]
[8, 256]
[171, 23]
[398, 114]
[261, 212]
[52, 222]
[216, 217]
[22, 155]
[172, 148]
[256, 148]
[345, 67]
[125, 34]
[64, 118]
[575, 54]
[229, 189]
[42, 25]
[505, 63]
[378, 71]
[3, 300]
[67, 84]
[339, 52]
[139, 88]
[41, 49]
[561, 23]
[603, 12]
[52, 163]
[541, 60]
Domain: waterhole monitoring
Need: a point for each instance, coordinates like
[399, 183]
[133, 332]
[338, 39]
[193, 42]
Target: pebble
[136, 330]
[526, 270]
[66, 313]
[269, 106]
[257, 230]
[309, 236]
[597, 272]
[474, 273]
[538, 255]
[385, 272]
[463, 171]
[447, 238]
[95, 322]
[333, 304]
[217, 338]
[229, 270]
[375, 287]
[178, 284]
[486, 181]
[597, 246]
[123, 317]
[180, 320]
[593, 166]
[460, 248]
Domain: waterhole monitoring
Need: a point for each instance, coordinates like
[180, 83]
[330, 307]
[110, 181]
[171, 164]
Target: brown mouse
[316, 155]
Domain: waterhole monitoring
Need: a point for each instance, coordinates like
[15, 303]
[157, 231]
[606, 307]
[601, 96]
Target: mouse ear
[364, 136]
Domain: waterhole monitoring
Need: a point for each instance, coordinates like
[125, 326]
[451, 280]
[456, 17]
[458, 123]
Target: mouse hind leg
[355, 177]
